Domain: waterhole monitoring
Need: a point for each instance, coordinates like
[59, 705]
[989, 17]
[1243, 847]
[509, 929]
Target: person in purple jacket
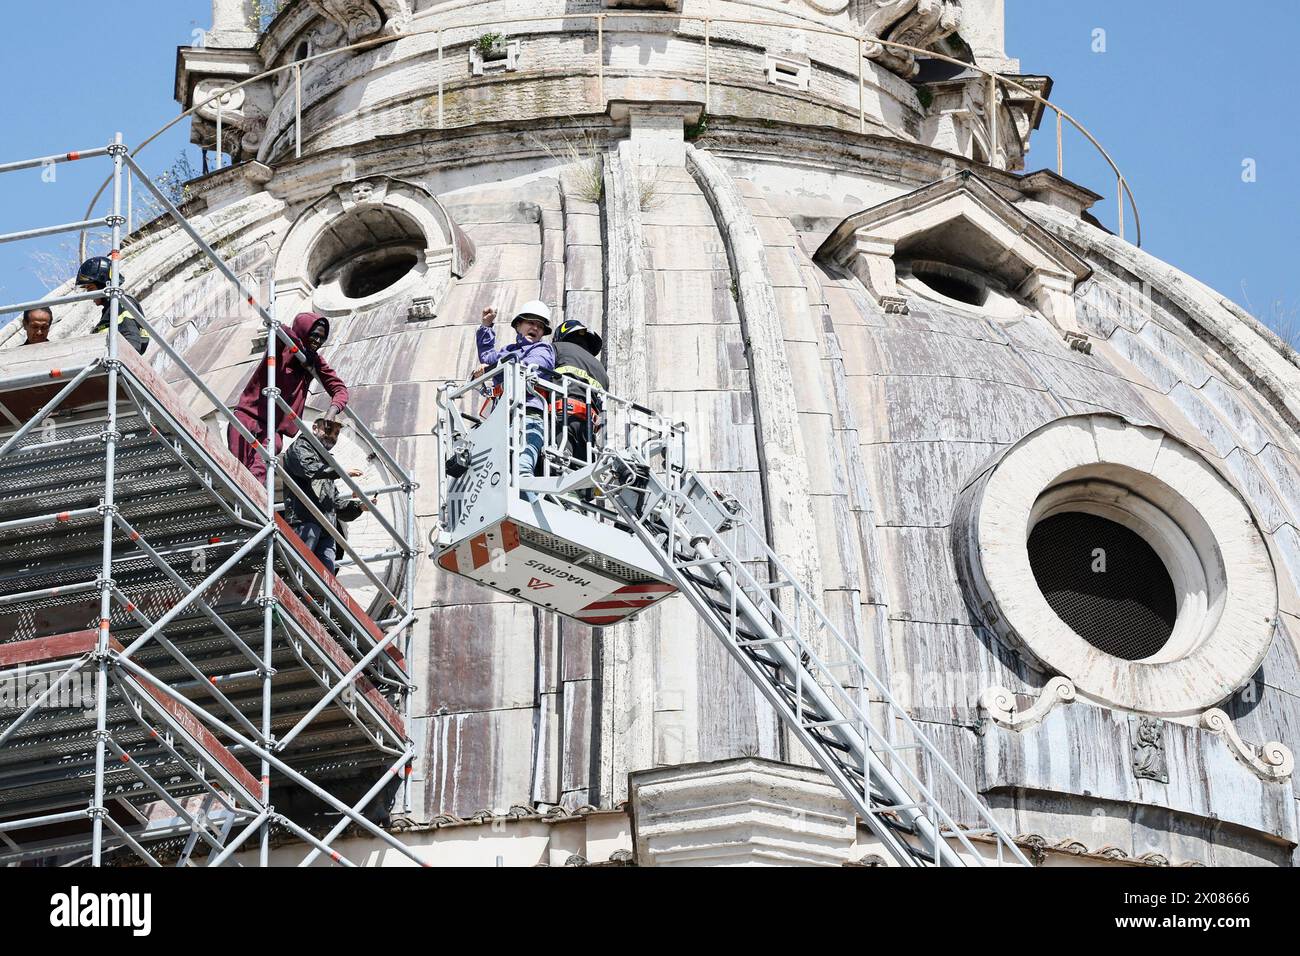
[532, 322]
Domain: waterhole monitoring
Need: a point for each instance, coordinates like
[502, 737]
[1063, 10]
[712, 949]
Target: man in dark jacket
[531, 323]
[577, 355]
[94, 275]
[314, 477]
[36, 323]
[294, 370]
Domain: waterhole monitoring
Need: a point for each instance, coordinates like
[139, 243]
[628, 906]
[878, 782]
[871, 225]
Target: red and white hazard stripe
[623, 603]
[477, 551]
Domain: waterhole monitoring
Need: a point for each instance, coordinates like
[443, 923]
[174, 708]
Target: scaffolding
[178, 673]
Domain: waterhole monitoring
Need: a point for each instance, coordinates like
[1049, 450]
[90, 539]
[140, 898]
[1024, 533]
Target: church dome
[1049, 484]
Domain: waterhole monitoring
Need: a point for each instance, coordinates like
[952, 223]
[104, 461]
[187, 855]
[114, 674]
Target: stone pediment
[962, 223]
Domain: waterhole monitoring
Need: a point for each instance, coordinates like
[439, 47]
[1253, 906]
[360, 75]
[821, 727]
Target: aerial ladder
[618, 523]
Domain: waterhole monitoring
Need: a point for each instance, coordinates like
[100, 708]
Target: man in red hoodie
[293, 374]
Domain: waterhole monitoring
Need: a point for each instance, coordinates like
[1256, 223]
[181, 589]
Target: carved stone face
[362, 192]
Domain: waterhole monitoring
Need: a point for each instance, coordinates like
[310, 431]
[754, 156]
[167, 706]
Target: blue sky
[1185, 92]
[75, 72]
[1182, 96]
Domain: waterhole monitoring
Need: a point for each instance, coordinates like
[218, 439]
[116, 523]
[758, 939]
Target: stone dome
[898, 349]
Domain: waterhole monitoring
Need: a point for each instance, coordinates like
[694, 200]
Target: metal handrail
[1124, 190]
[623, 423]
[369, 439]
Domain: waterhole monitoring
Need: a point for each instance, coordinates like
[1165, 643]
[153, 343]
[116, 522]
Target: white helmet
[536, 309]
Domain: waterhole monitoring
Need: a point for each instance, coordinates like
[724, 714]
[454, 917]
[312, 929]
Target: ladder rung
[828, 723]
[767, 585]
[896, 807]
[697, 563]
[763, 641]
[833, 744]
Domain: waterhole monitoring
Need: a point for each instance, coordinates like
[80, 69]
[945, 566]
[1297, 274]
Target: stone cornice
[744, 810]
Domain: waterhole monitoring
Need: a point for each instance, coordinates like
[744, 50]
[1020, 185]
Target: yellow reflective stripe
[576, 372]
[102, 326]
[144, 333]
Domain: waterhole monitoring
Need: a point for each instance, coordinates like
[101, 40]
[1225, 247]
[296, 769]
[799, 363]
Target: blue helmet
[96, 271]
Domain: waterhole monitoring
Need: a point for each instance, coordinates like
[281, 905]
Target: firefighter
[314, 477]
[532, 323]
[295, 369]
[36, 323]
[577, 355]
[94, 275]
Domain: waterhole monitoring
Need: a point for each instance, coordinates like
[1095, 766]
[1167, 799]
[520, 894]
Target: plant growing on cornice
[925, 95]
[1282, 317]
[696, 130]
[174, 181]
[647, 188]
[491, 46]
[54, 267]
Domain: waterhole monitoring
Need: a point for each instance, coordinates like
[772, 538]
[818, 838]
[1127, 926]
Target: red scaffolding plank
[43, 650]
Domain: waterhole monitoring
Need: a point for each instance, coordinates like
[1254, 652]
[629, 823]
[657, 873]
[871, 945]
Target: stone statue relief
[364, 18]
[1149, 750]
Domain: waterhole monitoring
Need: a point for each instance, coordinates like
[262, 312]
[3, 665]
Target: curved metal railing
[1123, 190]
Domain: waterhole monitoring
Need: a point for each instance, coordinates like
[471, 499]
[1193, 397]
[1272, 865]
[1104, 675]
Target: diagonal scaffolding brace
[173, 712]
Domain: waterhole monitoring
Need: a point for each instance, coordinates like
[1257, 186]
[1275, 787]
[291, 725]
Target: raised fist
[489, 316]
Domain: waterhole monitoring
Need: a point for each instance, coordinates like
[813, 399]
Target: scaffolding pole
[97, 809]
[127, 691]
[268, 579]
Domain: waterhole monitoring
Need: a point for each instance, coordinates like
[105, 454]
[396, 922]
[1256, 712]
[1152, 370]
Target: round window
[960, 285]
[1105, 582]
[1115, 555]
[366, 257]
[955, 285]
[375, 273]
